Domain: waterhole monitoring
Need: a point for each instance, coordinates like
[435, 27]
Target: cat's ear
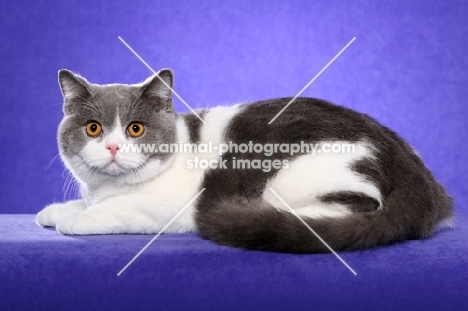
[73, 86]
[159, 87]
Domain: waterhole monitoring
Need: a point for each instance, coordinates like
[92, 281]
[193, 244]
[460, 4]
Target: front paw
[49, 216]
[78, 223]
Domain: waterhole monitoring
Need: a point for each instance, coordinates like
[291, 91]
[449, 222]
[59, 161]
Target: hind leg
[324, 185]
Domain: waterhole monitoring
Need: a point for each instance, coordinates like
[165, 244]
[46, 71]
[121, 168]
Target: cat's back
[263, 121]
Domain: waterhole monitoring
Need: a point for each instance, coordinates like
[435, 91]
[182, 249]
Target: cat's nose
[113, 148]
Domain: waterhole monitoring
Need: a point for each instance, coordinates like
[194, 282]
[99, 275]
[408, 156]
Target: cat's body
[376, 193]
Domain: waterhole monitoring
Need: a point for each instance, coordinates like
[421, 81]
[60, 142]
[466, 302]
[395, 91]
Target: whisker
[53, 105]
[50, 163]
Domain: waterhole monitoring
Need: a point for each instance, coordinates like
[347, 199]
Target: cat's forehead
[110, 102]
[115, 94]
[113, 97]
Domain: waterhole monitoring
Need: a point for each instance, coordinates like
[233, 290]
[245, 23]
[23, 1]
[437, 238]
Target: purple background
[408, 68]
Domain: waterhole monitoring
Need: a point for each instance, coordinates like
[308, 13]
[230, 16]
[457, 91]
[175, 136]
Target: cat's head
[100, 120]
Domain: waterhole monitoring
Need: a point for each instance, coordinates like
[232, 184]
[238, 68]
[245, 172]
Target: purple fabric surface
[41, 269]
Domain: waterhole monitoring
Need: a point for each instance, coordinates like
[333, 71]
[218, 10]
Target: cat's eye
[136, 129]
[93, 128]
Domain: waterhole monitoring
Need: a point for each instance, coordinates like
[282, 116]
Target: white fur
[146, 201]
[217, 119]
[311, 176]
[445, 224]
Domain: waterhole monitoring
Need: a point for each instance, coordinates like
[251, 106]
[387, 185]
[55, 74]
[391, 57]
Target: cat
[377, 192]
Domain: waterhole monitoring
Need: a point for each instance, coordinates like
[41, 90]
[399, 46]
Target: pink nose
[113, 148]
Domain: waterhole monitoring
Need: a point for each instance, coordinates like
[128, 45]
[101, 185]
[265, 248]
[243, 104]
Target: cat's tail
[258, 225]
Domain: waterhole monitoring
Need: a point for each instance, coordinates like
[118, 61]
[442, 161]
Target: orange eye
[93, 129]
[136, 129]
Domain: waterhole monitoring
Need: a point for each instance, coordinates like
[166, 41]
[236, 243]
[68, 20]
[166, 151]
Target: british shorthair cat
[139, 163]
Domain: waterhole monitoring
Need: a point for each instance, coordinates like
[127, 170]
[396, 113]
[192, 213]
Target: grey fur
[194, 125]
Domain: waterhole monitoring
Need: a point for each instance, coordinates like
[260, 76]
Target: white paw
[79, 223]
[49, 216]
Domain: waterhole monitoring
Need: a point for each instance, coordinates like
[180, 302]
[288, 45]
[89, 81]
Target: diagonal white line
[160, 232]
[313, 231]
[164, 82]
[313, 79]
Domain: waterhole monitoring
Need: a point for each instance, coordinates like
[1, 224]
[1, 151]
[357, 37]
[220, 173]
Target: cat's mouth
[114, 168]
[117, 167]
[111, 168]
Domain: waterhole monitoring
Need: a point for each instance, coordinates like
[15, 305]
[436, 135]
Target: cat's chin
[114, 169]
